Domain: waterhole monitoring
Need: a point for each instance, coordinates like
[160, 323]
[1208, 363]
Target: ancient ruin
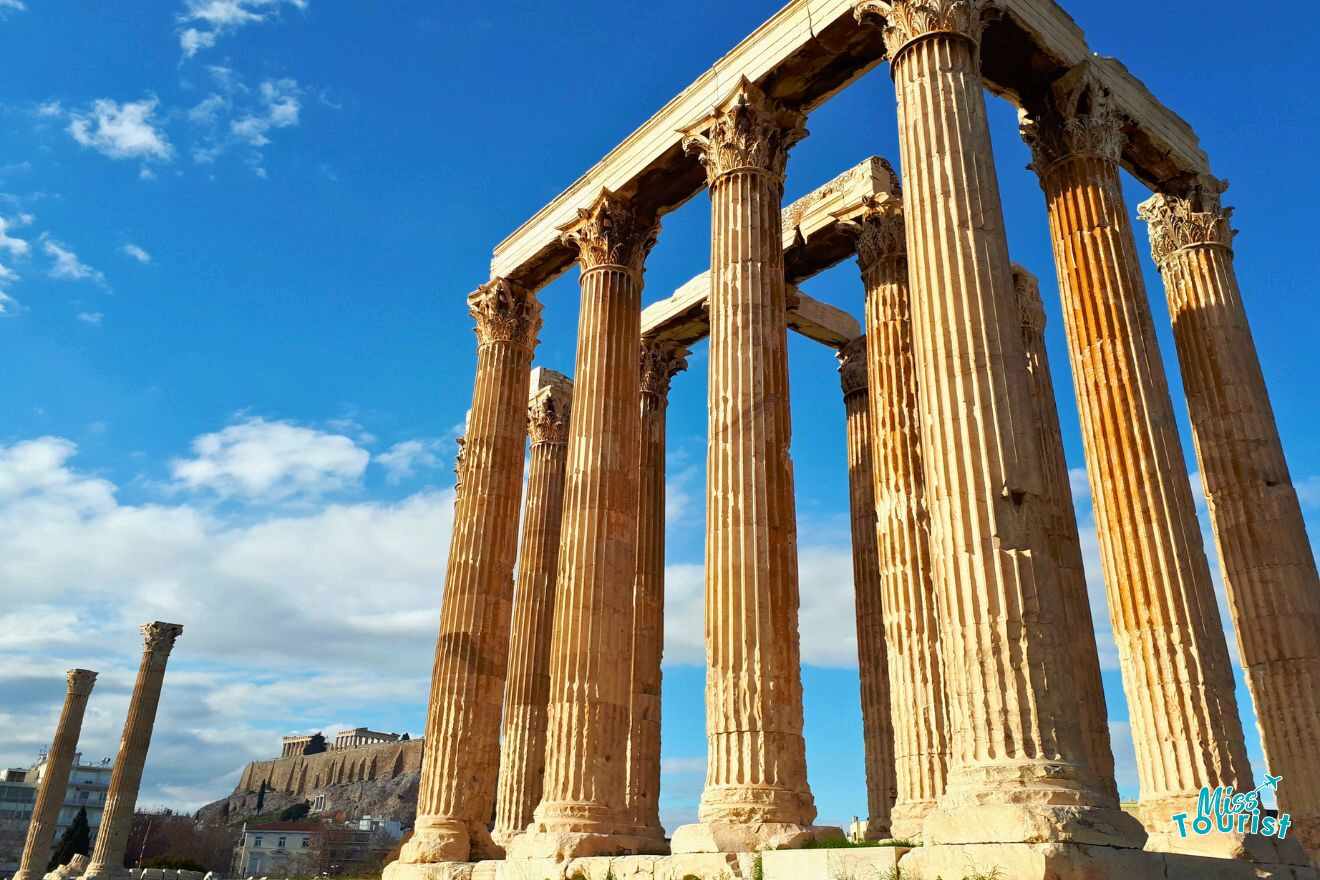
[985, 726]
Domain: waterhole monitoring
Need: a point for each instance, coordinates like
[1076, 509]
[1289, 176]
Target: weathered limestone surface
[527, 693]
[1166, 622]
[584, 807]
[461, 759]
[1269, 569]
[756, 793]
[660, 362]
[908, 595]
[1017, 770]
[55, 778]
[107, 861]
[1065, 543]
[877, 731]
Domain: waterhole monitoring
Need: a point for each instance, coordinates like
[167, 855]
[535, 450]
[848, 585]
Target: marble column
[907, 590]
[1269, 569]
[661, 361]
[583, 811]
[55, 777]
[527, 692]
[1065, 541]
[460, 760]
[1171, 644]
[107, 859]
[1018, 771]
[756, 794]
[873, 670]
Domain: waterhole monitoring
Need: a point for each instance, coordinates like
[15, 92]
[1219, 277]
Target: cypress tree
[75, 841]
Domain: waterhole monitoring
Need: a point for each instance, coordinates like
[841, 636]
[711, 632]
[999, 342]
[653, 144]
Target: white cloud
[404, 460]
[208, 110]
[271, 461]
[280, 100]
[50, 108]
[680, 496]
[8, 6]
[136, 252]
[15, 247]
[208, 20]
[1308, 492]
[1125, 759]
[1080, 485]
[65, 265]
[93, 318]
[122, 131]
[9, 307]
[235, 115]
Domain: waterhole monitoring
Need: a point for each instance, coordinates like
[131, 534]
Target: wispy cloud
[404, 460]
[235, 115]
[122, 131]
[65, 265]
[93, 318]
[8, 6]
[204, 22]
[135, 252]
[9, 307]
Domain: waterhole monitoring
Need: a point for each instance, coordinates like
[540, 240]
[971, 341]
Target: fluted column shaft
[873, 670]
[584, 807]
[659, 362]
[1269, 570]
[1171, 643]
[527, 692]
[55, 777]
[107, 859]
[756, 771]
[1065, 542]
[908, 594]
[1014, 740]
[460, 761]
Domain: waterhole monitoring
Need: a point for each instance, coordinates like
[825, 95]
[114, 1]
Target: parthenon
[986, 731]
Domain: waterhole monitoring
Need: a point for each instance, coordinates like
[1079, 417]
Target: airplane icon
[1272, 782]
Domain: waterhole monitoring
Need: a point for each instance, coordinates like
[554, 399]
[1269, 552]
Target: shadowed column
[1065, 542]
[107, 861]
[661, 360]
[908, 594]
[460, 761]
[1269, 569]
[1018, 772]
[584, 810]
[55, 777]
[873, 671]
[1171, 643]
[522, 759]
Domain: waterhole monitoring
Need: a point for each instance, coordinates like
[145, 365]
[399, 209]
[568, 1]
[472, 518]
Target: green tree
[261, 796]
[75, 841]
[295, 812]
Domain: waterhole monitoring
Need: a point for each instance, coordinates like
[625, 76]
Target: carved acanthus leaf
[81, 681]
[611, 233]
[852, 366]
[1176, 223]
[459, 462]
[908, 20]
[159, 637]
[505, 312]
[662, 359]
[1078, 118]
[748, 131]
[880, 230]
[1030, 307]
[548, 416]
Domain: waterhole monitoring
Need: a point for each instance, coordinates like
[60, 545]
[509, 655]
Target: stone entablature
[361, 736]
[301, 773]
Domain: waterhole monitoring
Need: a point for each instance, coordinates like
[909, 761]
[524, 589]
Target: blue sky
[237, 235]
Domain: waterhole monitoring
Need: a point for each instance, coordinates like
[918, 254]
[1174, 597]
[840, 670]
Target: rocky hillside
[393, 798]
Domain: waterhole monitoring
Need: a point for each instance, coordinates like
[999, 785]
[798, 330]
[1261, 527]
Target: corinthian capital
[548, 415]
[1030, 307]
[1076, 119]
[1176, 223]
[505, 312]
[747, 132]
[852, 366]
[661, 361]
[906, 21]
[611, 233]
[81, 681]
[159, 637]
[879, 230]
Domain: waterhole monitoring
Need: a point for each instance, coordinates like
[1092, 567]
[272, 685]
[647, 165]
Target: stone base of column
[877, 829]
[75, 868]
[1070, 861]
[906, 821]
[543, 842]
[1251, 848]
[107, 872]
[750, 837]
[1027, 803]
[448, 840]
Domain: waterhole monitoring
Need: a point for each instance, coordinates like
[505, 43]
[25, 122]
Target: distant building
[391, 828]
[87, 786]
[289, 848]
[361, 736]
